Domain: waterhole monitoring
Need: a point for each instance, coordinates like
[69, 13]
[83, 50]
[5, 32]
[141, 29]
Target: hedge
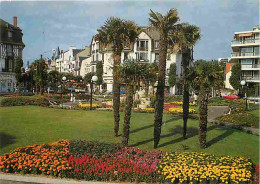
[24, 100]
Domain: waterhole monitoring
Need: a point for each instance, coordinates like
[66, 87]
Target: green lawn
[21, 126]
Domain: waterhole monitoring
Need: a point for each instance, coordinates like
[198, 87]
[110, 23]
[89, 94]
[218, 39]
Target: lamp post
[243, 83]
[93, 79]
[62, 85]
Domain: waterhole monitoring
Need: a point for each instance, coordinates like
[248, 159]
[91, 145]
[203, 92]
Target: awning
[244, 34]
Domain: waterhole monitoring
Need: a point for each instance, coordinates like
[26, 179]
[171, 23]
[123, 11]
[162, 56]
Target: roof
[17, 34]
[151, 32]
[76, 51]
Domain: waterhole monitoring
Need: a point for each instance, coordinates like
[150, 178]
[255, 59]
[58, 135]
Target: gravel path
[216, 111]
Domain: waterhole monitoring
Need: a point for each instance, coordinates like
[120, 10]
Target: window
[9, 50]
[156, 57]
[246, 62]
[125, 55]
[96, 57]
[143, 56]
[10, 65]
[142, 44]
[157, 44]
[10, 34]
[3, 64]
[93, 58]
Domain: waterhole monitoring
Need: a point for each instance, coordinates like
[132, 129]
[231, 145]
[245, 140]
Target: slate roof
[17, 34]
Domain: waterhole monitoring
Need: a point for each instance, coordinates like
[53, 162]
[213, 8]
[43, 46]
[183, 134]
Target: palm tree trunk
[185, 107]
[158, 113]
[146, 88]
[128, 109]
[116, 94]
[203, 114]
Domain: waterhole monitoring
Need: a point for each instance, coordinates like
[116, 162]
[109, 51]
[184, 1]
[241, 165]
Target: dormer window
[10, 34]
[157, 44]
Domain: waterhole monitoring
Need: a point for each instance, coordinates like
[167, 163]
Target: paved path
[216, 111]
[20, 179]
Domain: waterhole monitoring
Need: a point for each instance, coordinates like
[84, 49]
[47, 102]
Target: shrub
[242, 119]
[170, 98]
[97, 149]
[145, 110]
[24, 100]
[176, 110]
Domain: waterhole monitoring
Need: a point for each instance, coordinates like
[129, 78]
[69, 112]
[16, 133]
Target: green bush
[241, 119]
[97, 149]
[171, 98]
[218, 101]
[24, 100]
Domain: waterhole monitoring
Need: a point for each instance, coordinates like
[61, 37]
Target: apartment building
[11, 48]
[145, 49]
[245, 47]
[66, 62]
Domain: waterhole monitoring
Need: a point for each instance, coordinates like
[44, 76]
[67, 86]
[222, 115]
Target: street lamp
[243, 83]
[62, 86]
[93, 79]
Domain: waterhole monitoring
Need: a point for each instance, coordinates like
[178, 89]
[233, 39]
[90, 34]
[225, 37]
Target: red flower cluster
[130, 164]
[256, 174]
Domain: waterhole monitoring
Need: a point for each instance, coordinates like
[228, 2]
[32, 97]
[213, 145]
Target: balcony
[239, 55]
[250, 41]
[250, 66]
[251, 78]
[142, 48]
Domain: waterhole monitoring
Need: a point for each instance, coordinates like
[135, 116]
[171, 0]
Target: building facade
[11, 48]
[245, 47]
[66, 62]
[145, 50]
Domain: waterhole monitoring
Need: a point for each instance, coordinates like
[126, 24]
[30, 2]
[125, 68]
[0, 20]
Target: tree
[172, 75]
[235, 76]
[205, 77]
[185, 36]
[87, 78]
[164, 24]
[54, 78]
[131, 73]
[40, 75]
[150, 75]
[99, 73]
[117, 33]
[18, 72]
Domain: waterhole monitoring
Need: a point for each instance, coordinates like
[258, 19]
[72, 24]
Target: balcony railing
[237, 54]
[235, 42]
[142, 48]
[245, 66]
[250, 78]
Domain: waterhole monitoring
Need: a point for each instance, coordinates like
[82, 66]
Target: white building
[145, 49]
[66, 61]
[245, 47]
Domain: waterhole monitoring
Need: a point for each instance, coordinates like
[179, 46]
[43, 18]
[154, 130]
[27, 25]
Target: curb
[21, 179]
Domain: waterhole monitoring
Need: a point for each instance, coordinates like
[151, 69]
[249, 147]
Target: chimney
[15, 21]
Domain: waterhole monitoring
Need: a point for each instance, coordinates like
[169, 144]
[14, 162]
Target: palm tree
[164, 24]
[206, 76]
[54, 77]
[132, 73]
[118, 33]
[188, 35]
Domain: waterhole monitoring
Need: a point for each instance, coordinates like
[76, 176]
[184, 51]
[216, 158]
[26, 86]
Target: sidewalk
[29, 179]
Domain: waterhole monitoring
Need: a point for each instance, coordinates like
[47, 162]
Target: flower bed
[180, 103]
[112, 162]
[145, 110]
[87, 106]
[48, 159]
[202, 167]
[176, 110]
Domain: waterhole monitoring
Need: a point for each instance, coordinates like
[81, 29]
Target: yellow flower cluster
[195, 167]
[148, 110]
[179, 103]
[88, 105]
[179, 110]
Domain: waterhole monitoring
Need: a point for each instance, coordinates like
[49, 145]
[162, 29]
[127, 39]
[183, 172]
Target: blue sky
[49, 24]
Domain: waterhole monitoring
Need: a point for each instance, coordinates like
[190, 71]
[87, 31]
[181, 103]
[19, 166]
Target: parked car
[231, 97]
